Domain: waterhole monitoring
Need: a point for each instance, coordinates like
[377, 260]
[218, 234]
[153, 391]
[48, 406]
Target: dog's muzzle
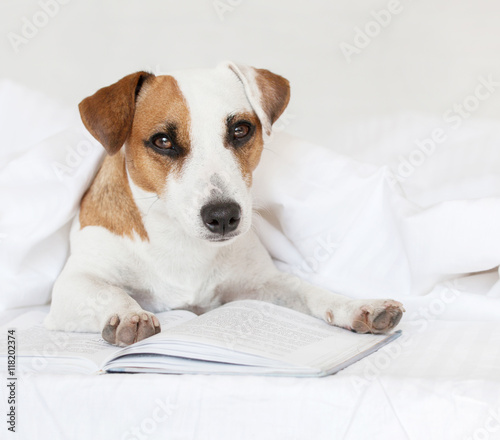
[221, 218]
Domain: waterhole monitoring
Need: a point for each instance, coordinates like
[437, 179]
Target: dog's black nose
[221, 218]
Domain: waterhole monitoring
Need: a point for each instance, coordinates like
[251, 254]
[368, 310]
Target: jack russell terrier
[166, 223]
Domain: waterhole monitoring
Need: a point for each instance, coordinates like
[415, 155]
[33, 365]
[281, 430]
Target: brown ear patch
[275, 92]
[108, 113]
[109, 202]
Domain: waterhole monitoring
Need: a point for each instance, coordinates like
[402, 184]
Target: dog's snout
[221, 218]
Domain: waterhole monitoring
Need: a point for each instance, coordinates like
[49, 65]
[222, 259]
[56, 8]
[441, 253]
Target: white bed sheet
[440, 381]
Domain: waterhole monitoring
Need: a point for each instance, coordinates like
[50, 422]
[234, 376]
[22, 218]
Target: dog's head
[193, 138]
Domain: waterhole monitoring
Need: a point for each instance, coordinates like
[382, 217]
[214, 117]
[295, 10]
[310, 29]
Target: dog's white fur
[111, 278]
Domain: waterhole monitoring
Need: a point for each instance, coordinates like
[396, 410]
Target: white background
[427, 59]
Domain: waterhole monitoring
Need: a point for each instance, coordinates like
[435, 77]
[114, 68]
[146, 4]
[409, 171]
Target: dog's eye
[241, 130]
[161, 141]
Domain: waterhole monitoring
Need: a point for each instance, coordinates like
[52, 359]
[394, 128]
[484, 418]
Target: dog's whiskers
[260, 209]
[370, 329]
[269, 149]
[150, 206]
[145, 198]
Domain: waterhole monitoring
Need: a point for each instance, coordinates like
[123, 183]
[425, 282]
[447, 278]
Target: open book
[242, 337]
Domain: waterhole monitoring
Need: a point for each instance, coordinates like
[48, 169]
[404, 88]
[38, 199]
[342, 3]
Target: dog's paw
[123, 329]
[376, 316]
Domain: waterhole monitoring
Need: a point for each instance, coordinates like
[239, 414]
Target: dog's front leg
[362, 316]
[83, 302]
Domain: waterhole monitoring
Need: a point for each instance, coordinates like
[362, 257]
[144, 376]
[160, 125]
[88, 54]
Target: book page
[273, 332]
[34, 340]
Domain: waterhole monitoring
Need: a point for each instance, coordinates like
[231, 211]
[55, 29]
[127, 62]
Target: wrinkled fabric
[362, 229]
[47, 160]
[347, 222]
[346, 226]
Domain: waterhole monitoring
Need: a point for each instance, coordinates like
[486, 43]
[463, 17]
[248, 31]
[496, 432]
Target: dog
[166, 222]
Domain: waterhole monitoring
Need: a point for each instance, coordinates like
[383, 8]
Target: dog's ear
[108, 113]
[267, 92]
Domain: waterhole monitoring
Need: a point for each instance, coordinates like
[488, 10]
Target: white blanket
[350, 224]
[348, 227]
[341, 223]
[47, 159]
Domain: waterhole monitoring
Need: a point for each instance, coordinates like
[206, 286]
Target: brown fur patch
[275, 93]
[109, 112]
[248, 155]
[160, 103]
[109, 201]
